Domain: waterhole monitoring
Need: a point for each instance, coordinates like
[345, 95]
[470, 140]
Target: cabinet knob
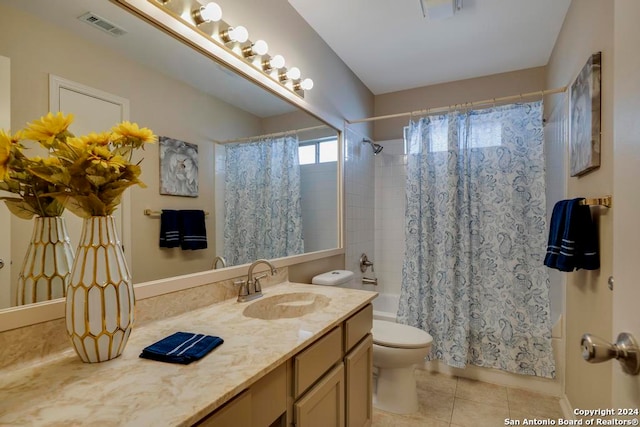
[625, 350]
[1, 263]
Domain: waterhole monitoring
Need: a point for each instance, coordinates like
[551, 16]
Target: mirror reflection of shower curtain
[263, 213]
[475, 228]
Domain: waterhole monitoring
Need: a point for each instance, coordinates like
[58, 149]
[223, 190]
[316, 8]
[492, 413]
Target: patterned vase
[100, 300]
[47, 264]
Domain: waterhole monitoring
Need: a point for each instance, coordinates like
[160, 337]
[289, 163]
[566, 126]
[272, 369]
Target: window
[318, 151]
[483, 132]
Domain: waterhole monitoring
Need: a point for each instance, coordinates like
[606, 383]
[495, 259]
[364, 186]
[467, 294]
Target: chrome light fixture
[234, 40]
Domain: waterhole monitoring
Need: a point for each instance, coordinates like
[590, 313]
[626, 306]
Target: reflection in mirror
[182, 95]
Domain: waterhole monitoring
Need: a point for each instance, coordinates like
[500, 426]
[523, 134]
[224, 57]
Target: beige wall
[588, 28]
[37, 49]
[440, 95]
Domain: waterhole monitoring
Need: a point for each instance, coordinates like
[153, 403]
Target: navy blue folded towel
[193, 231]
[573, 238]
[181, 347]
[169, 229]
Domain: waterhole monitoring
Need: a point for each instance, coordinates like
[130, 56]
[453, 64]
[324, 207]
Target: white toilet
[396, 349]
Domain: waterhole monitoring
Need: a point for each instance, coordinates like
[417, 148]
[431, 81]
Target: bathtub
[385, 307]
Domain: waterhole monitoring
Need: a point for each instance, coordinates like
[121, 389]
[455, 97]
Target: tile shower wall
[359, 188]
[390, 177]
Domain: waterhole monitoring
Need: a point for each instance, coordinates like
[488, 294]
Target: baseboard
[547, 386]
[567, 409]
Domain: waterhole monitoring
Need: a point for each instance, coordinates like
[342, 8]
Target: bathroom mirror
[178, 93]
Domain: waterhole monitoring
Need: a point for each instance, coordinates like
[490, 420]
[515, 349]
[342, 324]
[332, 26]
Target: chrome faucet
[250, 288]
[222, 261]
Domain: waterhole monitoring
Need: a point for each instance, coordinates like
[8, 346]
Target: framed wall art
[178, 167]
[584, 121]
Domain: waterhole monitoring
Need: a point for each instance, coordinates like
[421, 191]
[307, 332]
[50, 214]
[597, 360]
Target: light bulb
[306, 84]
[235, 34]
[208, 13]
[260, 47]
[277, 61]
[293, 73]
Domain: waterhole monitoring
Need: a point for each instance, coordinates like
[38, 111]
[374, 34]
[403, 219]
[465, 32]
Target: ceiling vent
[102, 24]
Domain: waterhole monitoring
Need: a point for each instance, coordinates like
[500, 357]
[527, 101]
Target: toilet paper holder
[625, 350]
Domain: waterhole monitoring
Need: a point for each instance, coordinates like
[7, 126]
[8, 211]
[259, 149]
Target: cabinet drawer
[318, 358]
[357, 327]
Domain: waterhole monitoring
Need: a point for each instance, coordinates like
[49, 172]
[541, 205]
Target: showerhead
[377, 148]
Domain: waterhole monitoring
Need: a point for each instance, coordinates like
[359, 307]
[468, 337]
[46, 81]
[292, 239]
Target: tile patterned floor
[447, 401]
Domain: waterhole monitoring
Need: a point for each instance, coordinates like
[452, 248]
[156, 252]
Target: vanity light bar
[203, 13]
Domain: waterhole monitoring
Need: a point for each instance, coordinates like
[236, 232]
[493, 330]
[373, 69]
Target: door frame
[56, 84]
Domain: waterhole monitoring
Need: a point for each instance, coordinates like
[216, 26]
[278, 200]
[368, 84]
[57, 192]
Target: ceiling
[145, 44]
[390, 46]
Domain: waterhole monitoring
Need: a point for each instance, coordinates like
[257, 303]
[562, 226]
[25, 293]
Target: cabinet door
[236, 413]
[359, 384]
[323, 404]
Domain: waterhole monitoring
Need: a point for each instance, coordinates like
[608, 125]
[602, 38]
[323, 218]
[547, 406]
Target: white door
[94, 111]
[626, 195]
[5, 218]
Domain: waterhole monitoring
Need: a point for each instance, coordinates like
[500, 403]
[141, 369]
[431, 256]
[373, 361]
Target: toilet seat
[395, 335]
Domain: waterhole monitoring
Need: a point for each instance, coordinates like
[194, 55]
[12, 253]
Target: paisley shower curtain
[475, 230]
[263, 214]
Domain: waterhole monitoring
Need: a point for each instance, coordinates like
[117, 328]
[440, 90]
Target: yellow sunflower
[48, 128]
[132, 133]
[103, 138]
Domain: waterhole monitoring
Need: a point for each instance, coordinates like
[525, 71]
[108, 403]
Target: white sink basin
[286, 306]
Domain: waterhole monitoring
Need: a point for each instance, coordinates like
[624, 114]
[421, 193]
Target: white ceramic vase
[100, 301]
[47, 264]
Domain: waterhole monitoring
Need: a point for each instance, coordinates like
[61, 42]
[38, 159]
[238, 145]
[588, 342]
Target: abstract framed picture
[584, 118]
[178, 167]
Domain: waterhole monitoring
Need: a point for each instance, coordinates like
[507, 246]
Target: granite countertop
[130, 391]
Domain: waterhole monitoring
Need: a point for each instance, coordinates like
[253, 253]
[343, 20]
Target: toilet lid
[391, 334]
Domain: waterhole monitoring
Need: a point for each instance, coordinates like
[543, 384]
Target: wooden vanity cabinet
[340, 367]
[328, 384]
[264, 404]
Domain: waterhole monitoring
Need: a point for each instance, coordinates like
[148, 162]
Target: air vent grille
[102, 24]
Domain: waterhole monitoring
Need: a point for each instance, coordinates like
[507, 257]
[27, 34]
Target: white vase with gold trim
[100, 301]
[46, 268]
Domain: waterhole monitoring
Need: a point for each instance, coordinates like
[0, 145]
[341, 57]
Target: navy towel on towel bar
[193, 230]
[573, 238]
[169, 229]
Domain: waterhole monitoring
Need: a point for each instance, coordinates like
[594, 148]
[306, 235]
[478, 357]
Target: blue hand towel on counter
[573, 238]
[169, 229]
[181, 347]
[193, 230]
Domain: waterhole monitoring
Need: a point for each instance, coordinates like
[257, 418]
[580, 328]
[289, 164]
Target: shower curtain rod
[463, 105]
[269, 135]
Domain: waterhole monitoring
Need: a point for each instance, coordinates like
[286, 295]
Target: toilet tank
[333, 278]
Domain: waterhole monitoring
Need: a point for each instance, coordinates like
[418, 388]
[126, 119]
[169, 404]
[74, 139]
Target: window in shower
[318, 151]
[485, 132]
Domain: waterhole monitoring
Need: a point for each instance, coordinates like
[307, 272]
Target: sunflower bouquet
[85, 174]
